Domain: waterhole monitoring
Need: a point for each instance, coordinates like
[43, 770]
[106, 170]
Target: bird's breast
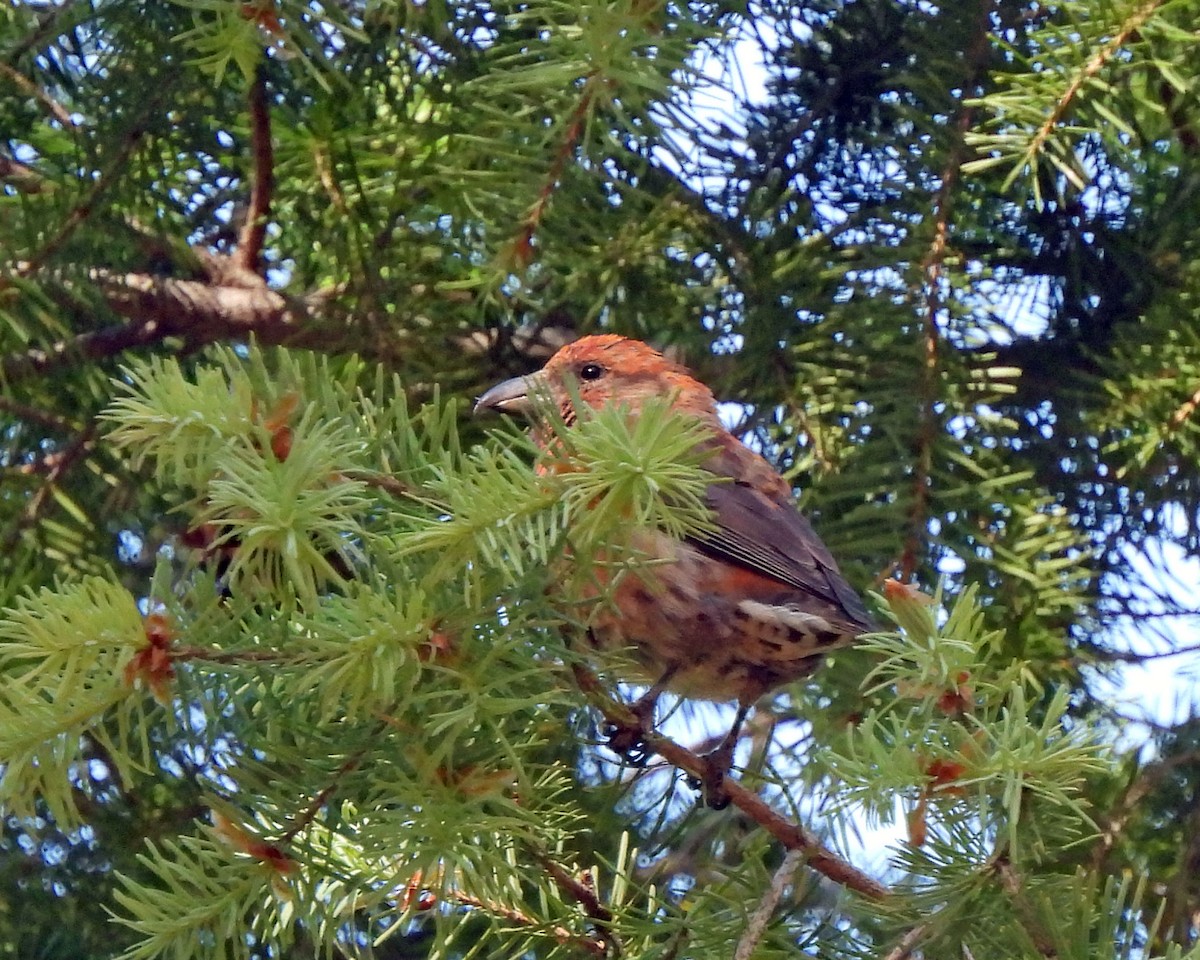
[729, 632]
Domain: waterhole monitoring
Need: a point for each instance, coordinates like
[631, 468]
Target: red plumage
[738, 611]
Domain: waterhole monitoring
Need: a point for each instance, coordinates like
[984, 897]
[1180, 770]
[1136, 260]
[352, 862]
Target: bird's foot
[628, 739]
[711, 784]
[627, 742]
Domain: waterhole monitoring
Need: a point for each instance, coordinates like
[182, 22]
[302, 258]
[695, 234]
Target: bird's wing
[760, 529]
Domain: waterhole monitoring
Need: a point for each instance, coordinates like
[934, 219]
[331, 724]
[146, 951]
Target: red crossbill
[733, 612]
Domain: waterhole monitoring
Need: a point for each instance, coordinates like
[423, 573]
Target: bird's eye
[591, 371]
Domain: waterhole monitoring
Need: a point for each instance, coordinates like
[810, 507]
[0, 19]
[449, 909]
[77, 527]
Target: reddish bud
[918, 826]
[281, 443]
[441, 646]
[943, 773]
[269, 854]
[895, 590]
[958, 700]
[152, 665]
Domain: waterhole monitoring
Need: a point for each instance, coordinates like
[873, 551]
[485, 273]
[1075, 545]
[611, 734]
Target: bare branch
[162, 307]
[792, 835]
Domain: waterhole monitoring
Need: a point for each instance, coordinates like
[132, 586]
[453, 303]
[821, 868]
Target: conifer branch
[83, 209]
[932, 269]
[1095, 64]
[254, 230]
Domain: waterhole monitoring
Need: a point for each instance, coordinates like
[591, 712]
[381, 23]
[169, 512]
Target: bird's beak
[511, 396]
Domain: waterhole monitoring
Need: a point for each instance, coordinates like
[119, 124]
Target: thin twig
[45, 418]
[55, 108]
[1099, 655]
[522, 246]
[74, 451]
[229, 656]
[766, 907]
[83, 209]
[1184, 411]
[582, 891]
[592, 945]
[314, 807]
[385, 482]
[254, 230]
[1013, 885]
[903, 950]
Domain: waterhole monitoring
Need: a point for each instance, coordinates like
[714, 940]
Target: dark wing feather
[768, 535]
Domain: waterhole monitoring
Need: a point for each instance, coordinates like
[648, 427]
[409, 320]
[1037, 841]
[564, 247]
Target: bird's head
[602, 370]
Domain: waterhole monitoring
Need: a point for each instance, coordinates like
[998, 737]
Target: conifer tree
[290, 658]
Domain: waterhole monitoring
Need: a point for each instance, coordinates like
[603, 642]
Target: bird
[732, 612]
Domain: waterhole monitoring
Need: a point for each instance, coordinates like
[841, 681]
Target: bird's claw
[626, 741]
[711, 785]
